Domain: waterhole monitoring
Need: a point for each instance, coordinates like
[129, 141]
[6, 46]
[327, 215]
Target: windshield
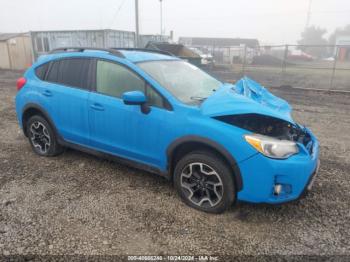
[185, 81]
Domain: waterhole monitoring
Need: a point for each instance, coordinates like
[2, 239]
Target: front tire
[42, 137]
[205, 182]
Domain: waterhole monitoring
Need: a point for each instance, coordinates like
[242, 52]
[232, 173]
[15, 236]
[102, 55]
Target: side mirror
[136, 98]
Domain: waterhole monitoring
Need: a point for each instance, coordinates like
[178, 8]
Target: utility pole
[137, 23]
[308, 15]
[161, 17]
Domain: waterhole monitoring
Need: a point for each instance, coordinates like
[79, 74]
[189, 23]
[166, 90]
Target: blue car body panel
[246, 97]
[264, 173]
[259, 94]
[106, 124]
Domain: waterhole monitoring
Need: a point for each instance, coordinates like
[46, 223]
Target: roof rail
[82, 49]
[144, 50]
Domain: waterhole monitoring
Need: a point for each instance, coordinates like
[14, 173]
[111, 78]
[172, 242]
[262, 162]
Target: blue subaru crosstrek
[217, 142]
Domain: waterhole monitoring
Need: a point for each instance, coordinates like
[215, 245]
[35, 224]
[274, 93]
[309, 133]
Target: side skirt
[121, 160]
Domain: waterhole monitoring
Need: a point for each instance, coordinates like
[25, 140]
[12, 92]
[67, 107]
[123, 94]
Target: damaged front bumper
[273, 181]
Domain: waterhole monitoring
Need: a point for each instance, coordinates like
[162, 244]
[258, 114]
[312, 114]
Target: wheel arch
[34, 109]
[184, 145]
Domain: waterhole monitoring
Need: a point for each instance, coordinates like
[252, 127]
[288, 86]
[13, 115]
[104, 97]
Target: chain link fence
[324, 67]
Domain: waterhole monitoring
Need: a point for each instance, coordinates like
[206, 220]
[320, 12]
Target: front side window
[186, 82]
[113, 79]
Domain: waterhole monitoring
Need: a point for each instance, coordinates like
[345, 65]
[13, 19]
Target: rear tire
[42, 137]
[205, 182]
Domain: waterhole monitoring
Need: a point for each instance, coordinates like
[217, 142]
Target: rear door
[67, 89]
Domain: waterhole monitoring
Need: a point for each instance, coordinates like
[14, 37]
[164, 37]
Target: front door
[120, 129]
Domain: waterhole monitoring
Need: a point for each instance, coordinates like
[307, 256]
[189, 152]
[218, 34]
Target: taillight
[20, 83]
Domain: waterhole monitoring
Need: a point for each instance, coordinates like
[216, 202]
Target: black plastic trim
[207, 142]
[144, 50]
[82, 49]
[42, 111]
[122, 160]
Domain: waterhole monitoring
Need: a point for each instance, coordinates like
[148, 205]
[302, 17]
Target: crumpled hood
[246, 97]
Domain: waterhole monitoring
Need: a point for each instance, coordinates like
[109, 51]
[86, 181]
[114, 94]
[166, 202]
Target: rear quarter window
[41, 70]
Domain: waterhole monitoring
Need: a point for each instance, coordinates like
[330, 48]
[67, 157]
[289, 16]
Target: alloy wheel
[201, 184]
[40, 137]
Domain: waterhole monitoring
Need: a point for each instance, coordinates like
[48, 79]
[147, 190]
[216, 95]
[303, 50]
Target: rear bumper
[295, 175]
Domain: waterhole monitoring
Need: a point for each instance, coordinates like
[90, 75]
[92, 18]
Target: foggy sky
[271, 21]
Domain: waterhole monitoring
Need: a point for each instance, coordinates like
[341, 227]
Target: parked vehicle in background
[207, 58]
[177, 50]
[298, 55]
[217, 142]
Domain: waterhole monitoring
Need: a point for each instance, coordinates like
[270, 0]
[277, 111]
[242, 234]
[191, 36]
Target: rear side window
[72, 72]
[40, 71]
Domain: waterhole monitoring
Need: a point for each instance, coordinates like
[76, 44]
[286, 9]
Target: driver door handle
[97, 107]
[47, 92]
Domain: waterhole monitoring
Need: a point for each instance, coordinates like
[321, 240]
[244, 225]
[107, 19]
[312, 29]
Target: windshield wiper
[198, 98]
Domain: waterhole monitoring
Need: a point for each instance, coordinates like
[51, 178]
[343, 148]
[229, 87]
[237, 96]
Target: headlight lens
[272, 147]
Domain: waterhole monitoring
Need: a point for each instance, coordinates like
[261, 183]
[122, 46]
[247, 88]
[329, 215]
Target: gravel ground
[79, 204]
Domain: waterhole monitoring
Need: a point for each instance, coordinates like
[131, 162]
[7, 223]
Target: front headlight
[272, 147]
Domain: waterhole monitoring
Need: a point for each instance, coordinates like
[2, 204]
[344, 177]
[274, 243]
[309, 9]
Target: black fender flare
[43, 112]
[210, 143]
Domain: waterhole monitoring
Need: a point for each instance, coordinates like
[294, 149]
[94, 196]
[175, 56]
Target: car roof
[134, 56]
[142, 56]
